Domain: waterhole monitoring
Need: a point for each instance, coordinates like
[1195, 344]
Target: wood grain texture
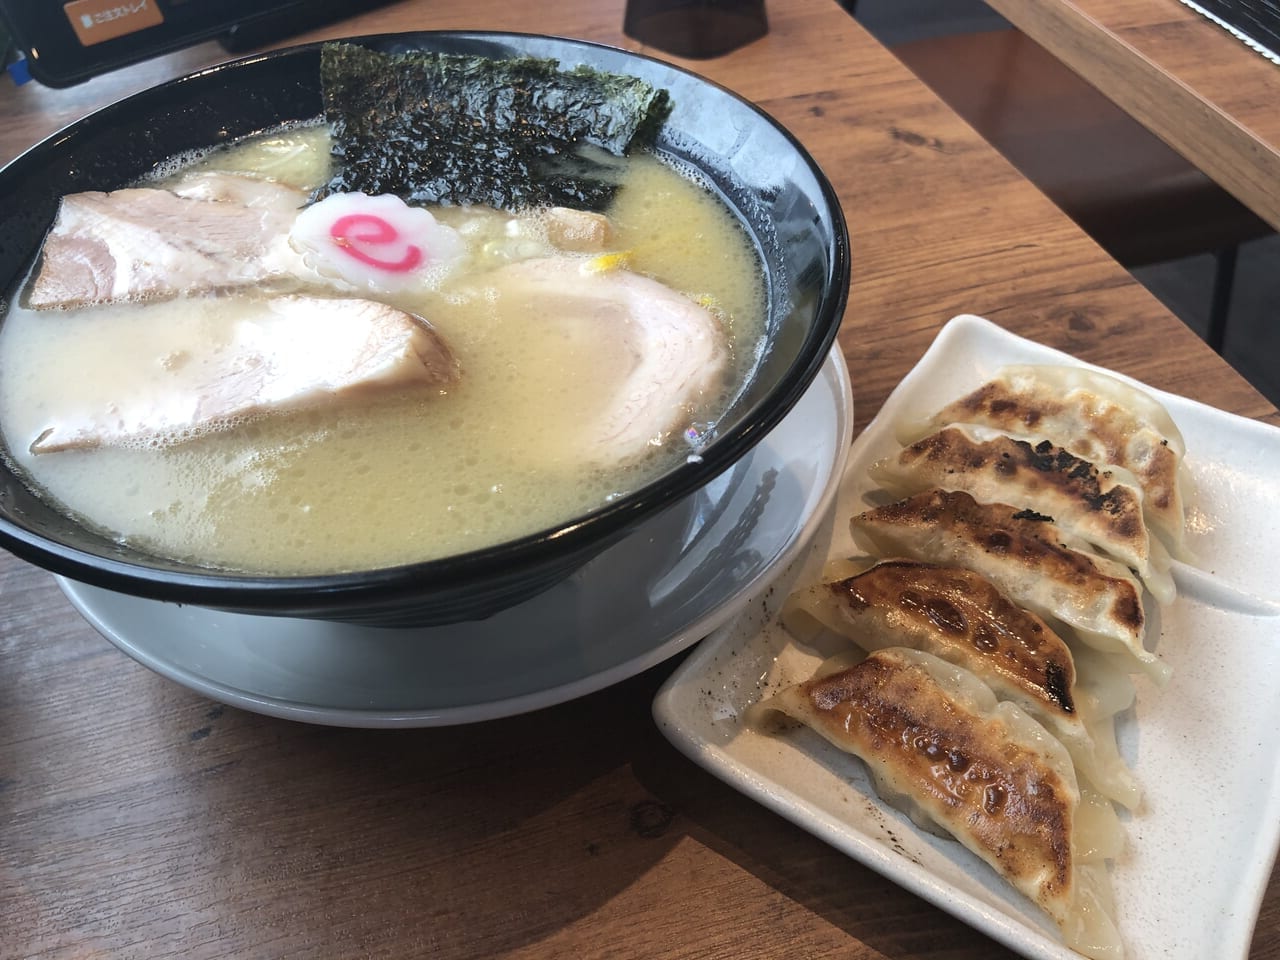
[1182, 76]
[138, 819]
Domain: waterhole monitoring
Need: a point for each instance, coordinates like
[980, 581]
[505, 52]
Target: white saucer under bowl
[665, 586]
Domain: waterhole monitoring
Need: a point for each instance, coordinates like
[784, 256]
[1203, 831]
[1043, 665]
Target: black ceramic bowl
[762, 172]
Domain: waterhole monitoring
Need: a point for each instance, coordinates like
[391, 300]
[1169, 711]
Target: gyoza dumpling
[940, 747]
[1096, 417]
[1100, 504]
[959, 616]
[1029, 559]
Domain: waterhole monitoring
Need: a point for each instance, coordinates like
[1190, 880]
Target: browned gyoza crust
[1001, 800]
[1089, 501]
[1008, 545]
[962, 617]
[997, 404]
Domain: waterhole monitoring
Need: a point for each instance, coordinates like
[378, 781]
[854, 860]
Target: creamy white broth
[396, 480]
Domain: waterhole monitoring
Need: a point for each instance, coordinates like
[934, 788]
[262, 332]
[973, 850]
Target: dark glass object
[700, 29]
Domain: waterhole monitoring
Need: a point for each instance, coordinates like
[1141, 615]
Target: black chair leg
[1220, 304]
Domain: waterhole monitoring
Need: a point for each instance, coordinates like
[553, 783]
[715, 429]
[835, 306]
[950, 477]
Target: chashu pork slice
[661, 354]
[1026, 555]
[942, 748]
[1099, 504]
[234, 360]
[960, 616]
[223, 232]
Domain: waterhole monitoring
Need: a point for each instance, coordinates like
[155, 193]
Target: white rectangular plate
[1201, 848]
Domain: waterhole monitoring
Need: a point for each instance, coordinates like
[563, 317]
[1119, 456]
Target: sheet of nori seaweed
[439, 128]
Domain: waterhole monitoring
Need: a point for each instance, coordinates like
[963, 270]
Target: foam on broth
[396, 481]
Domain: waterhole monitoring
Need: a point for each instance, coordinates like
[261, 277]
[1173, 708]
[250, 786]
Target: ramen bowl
[759, 170]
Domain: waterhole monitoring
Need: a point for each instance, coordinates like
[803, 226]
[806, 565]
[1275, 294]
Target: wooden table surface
[138, 819]
[1183, 76]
